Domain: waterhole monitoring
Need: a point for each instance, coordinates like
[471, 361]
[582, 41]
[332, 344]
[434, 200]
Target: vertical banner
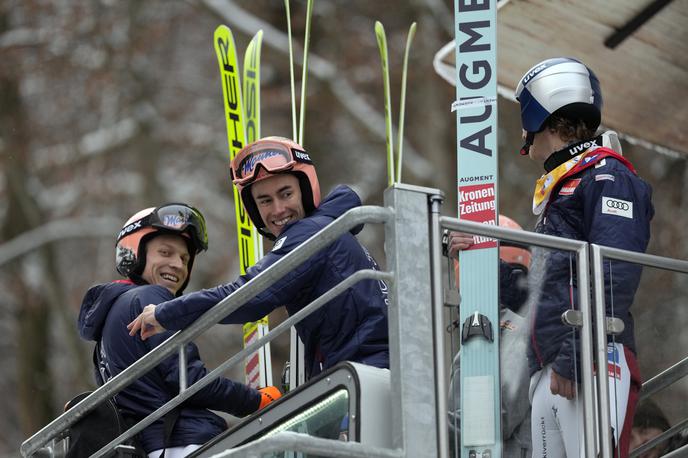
[476, 127]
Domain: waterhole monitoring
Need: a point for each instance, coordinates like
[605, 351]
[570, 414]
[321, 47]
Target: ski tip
[222, 28]
[412, 30]
[379, 28]
[223, 33]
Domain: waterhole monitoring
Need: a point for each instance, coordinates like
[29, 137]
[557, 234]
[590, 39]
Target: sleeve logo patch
[602, 163]
[604, 176]
[569, 187]
[617, 207]
[279, 243]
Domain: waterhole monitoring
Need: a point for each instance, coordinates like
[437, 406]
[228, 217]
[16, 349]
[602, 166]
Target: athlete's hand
[268, 395]
[562, 386]
[145, 323]
[457, 241]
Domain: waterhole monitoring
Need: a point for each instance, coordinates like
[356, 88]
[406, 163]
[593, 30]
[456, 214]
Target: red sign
[477, 203]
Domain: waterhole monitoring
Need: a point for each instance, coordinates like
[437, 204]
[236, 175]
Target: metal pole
[589, 423]
[411, 348]
[182, 369]
[438, 323]
[601, 359]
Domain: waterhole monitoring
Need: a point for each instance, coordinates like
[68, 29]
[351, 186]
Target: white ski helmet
[269, 156]
[562, 85]
[173, 218]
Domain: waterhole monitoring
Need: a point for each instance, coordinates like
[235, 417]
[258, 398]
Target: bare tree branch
[57, 230]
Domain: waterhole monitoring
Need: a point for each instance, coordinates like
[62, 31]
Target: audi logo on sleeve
[617, 207]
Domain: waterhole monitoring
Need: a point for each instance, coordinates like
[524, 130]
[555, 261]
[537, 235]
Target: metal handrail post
[183, 383]
[586, 363]
[438, 319]
[601, 354]
[411, 348]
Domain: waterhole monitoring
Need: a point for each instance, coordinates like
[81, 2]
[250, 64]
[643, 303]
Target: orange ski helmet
[173, 218]
[269, 156]
[510, 252]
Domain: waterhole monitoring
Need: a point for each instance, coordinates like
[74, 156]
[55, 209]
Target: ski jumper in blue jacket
[351, 327]
[156, 249]
[105, 312]
[601, 201]
[589, 192]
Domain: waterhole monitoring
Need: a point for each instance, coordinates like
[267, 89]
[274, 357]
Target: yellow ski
[239, 124]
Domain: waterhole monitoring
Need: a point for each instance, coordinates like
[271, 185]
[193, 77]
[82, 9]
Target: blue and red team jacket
[351, 327]
[602, 201]
[105, 312]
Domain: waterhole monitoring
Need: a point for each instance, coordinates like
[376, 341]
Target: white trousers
[557, 423]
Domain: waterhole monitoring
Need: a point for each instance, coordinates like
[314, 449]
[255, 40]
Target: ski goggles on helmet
[173, 217]
[273, 157]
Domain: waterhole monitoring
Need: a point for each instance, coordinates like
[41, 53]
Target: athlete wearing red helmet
[513, 268]
[279, 188]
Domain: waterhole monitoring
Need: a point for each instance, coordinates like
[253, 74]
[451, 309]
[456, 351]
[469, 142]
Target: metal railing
[596, 420]
[413, 226]
[661, 381]
[580, 249]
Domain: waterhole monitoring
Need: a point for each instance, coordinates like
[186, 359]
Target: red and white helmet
[269, 156]
[173, 218]
[511, 252]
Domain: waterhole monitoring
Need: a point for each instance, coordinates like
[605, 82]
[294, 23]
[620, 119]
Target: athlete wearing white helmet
[589, 192]
[279, 187]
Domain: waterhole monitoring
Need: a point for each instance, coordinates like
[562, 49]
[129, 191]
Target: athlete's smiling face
[167, 262]
[279, 202]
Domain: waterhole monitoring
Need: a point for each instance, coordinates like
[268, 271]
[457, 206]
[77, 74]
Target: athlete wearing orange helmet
[279, 188]
[513, 340]
[155, 250]
[513, 268]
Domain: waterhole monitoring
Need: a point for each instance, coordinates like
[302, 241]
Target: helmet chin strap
[525, 149]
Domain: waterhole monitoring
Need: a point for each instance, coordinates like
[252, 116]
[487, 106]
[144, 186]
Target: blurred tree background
[108, 107]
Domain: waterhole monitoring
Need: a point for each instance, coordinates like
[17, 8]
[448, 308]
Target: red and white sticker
[569, 187]
[477, 203]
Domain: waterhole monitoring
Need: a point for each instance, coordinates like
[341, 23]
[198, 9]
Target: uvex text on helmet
[562, 85]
